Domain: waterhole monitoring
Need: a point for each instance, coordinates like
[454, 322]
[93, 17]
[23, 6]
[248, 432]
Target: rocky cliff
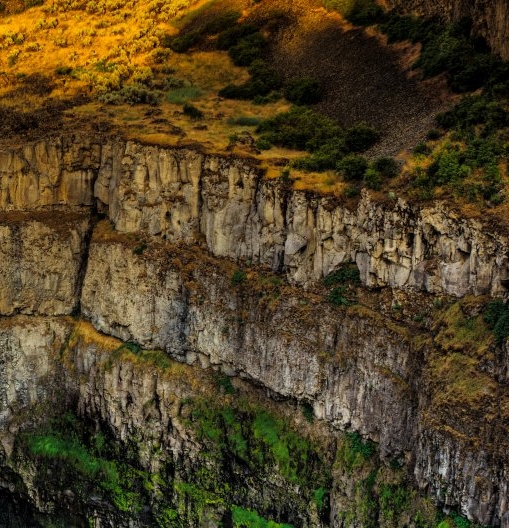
[202, 258]
[490, 18]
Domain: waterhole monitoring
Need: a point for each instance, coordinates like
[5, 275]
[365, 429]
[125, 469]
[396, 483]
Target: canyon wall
[225, 206]
[490, 17]
[159, 273]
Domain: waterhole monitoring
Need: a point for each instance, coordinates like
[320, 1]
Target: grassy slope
[59, 59]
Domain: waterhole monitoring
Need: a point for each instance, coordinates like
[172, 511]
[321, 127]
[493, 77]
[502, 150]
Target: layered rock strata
[160, 276]
[227, 207]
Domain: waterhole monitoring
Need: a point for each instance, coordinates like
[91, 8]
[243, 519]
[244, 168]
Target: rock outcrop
[202, 258]
[226, 206]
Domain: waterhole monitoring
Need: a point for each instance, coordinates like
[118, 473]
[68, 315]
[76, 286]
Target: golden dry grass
[106, 44]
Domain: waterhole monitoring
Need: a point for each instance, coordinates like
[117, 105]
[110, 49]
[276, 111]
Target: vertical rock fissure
[85, 253]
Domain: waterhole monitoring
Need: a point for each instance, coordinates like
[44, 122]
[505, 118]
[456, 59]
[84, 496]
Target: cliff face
[490, 17]
[186, 264]
[225, 206]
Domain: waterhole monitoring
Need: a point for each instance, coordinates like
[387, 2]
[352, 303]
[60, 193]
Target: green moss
[353, 451]
[496, 315]
[250, 519]
[319, 497]
[393, 500]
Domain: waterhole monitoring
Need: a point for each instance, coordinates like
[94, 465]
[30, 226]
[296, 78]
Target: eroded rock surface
[159, 272]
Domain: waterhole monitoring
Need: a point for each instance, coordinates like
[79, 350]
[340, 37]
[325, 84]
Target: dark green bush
[63, 70]
[399, 28]
[303, 91]
[473, 111]
[337, 296]
[433, 134]
[263, 81]
[482, 152]
[303, 129]
[300, 128]
[359, 12]
[230, 37]
[238, 277]
[422, 148]
[248, 49]
[360, 137]
[192, 112]
[183, 42]
[448, 168]
[365, 13]
[387, 167]
[345, 274]
[373, 179]
[353, 167]
[263, 144]
[326, 157]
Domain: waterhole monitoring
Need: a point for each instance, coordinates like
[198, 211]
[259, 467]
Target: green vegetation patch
[330, 146]
[341, 283]
[95, 465]
[257, 441]
[250, 519]
[355, 451]
[496, 316]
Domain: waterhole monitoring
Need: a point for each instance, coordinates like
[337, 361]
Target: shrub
[184, 42]
[387, 167]
[346, 274]
[263, 144]
[242, 518]
[303, 91]
[433, 134]
[248, 49]
[131, 94]
[483, 152]
[230, 37]
[238, 277]
[63, 70]
[373, 179]
[365, 13]
[326, 157]
[360, 12]
[422, 148]
[264, 80]
[360, 137]
[399, 28]
[353, 167]
[192, 112]
[496, 316]
[300, 128]
[447, 168]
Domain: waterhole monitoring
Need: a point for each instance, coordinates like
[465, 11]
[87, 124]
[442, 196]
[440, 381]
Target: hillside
[62, 59]
[254, 263]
